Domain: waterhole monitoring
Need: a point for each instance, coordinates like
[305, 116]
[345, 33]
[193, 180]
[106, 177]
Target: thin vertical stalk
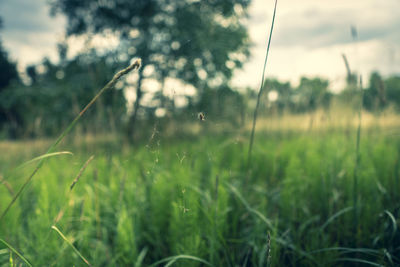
[358, 87]
[261, 90]
[215, 223]
[357, 164]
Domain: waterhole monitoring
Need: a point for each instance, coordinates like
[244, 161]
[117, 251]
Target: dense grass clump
[196, 199]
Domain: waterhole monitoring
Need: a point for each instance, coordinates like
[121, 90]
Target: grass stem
[16, 252]
[70, 244]
[80, 172]
[261, 90]
[357, 165]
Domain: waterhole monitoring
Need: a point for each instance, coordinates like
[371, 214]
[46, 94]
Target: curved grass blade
[365, 251]
[3, 180]
[394, 223]
[47, 155]
[173, 259]
[334, 216]
[359, 261]
[250, 209]
[390, 257]
[70, 244]
[135, 65]
[344, 250]
[294, 248]
[16, 252]
[80, 172]
[141, 256]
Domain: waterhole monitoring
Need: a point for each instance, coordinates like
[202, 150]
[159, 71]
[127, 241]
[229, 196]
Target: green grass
[183, 202]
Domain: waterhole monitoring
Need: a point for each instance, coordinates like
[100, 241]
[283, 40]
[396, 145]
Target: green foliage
[392, 87]
[56, 96]
[8, 76]
[186, 198]
[374, 97]
[222, 105]
[197, 42]
[8, 69]
[285, 92]
[312, 93]
[382, 92]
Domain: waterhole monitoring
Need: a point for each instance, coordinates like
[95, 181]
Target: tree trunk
[162, 96]
[133, 116]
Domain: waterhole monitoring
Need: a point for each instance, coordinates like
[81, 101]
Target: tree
[392, 85]
[58, 93]
[8, 70]
[374, 96]
[8, 73]
[284, 93]
[198, 42]
[312, 93]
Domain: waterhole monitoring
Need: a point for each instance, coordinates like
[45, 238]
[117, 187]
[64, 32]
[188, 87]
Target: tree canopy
[8, 73]
[198, 42]
[8, 70]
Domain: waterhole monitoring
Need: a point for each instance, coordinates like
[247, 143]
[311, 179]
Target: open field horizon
[196, 198]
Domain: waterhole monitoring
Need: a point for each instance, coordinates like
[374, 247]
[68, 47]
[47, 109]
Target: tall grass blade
[334, 216]
[366, 251]
[47, 155]
[135, 65]
[250, 209]
[16, 252]
[11, 260]
[294, 248]
[70, 244]
[356, 167]
[261, 89]
[392, 218]
[141, 256]
[3, 180]
[77, 177]
[173, 259]
[80, 172]
[355, 260]
[345, 250]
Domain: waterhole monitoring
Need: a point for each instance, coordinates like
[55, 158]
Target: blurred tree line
[198, 43]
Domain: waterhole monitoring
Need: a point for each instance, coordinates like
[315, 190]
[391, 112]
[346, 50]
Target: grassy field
[193, 201]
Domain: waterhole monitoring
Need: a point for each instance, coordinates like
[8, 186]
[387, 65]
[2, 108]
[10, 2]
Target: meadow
[149, 182]
[194, 200]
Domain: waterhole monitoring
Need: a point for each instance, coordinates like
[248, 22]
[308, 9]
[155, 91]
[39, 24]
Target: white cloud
[310, 36]
[29, 33]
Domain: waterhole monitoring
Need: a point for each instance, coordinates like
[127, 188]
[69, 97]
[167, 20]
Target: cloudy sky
[309, 37]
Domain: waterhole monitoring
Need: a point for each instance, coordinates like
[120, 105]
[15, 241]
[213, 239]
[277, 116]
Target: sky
[309, 38]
